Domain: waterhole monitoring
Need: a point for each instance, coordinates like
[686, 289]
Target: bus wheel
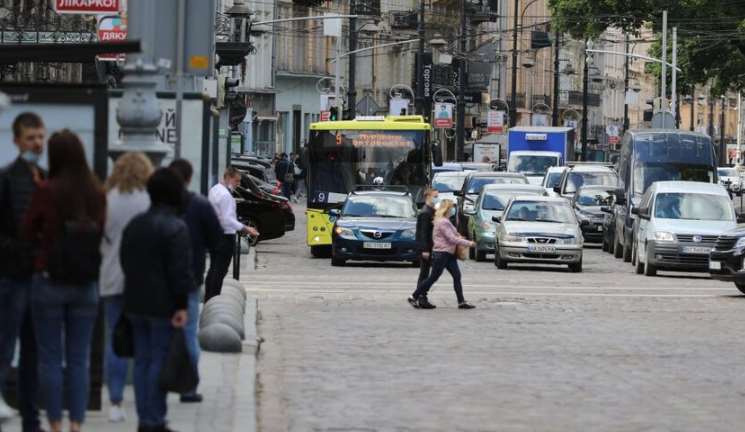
[320, 251]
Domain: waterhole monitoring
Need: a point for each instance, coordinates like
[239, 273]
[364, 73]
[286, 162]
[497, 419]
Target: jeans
[64, 317]
[287, 190]
[425, 265]
[152, 337]
[191, 328]
[440, 262]
[116, 367]
[219, 265]
[13, 301]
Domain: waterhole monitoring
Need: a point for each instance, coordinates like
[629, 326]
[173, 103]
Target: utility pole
[711, 115]
[626, 84]
[352, 93]
[419, 100]
[663, 82]
[674, 93]
[585, 96]
[739, 127]
[337, 77]
[722, 146]
[555, 113]
[513, 99]
[461, 126]
[693, 106]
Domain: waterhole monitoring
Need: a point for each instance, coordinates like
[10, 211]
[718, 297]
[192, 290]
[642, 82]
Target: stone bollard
[218, 337]
[221, 327]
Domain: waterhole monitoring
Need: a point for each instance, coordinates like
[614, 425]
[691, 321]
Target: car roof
[665, 132]
[380, 193]
[690, 187]
[541, 198]
[557, 169]
[494, 174]
[597, 187]
[534, 152]
[450, 174]
[591, 168]
[513, 187]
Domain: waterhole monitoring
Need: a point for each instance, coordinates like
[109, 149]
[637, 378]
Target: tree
[711, 33]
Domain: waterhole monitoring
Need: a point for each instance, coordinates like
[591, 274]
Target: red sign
[495, 121]
[325, 115]
[112, 29]
[87, 6]
[613, 140]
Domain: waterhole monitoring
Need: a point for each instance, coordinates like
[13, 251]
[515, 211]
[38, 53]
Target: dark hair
[429, 192]
[26, 120]
[165, 187]
[78, 192]
[231, 172]
[183, 168]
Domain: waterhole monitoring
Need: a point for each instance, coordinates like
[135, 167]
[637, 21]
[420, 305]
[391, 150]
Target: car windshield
[594, 197]
[498, 200]
[553, 179]
[727, 172]
[379, 206]
[448, 182]
[476, 183]
[693, 206]
[578, 179]
[540, 211]
[531, 165]
[647, 173]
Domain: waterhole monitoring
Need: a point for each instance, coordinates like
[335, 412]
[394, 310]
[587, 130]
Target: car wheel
[649, 269]
[320, 251]
[498, 261]
[576, 267]
[416, 264]
[605, 245]
[336, 262]
[617, 249]
[627, 253]
[638, 261]
[741, 287]
[480, 255]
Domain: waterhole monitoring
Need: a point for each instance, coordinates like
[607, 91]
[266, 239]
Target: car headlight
[567, 241]
[408, 234]
[665, 236]
[582, 215]
[740, 243]
[489, 226]
[512, 238]
[345, 233]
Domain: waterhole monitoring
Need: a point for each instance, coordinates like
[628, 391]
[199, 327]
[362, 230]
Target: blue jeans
[116, 367]
[440, 262]
[192, 326]
[64, 317]
[152, 337]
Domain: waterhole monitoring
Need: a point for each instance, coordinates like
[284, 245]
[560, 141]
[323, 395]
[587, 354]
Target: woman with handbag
[126, 198]
[446, 242]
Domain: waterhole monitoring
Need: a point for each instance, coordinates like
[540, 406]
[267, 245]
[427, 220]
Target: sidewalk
[227, 384]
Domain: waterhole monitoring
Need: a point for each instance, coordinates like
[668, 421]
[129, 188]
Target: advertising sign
[485, 152]
[325, 115]
[443, 115]
[495, 121]
[539, 120]
[112, 29]
[87, 6]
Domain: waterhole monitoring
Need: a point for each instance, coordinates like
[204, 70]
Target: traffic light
[334, 114]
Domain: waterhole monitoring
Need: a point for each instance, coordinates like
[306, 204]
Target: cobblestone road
[545, 350]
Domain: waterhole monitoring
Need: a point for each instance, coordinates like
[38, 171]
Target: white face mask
[30, 157]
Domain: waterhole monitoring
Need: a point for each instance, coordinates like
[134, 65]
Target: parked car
[678, 224]
[727, 259]
[448, 183]
[588, 205]
[609, 225]
[552, 179]
[270, 214]
[272, 189]
[730, 178]
[375, 226]
[472, 187]
[257, 170]
[585, 175]
[491, 202]
[540, 230]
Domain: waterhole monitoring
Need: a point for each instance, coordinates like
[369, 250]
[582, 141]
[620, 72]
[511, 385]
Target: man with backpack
[18, 182]
[285, 172]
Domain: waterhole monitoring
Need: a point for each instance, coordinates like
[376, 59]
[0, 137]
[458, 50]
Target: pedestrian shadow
[367, 264]
[547, 268]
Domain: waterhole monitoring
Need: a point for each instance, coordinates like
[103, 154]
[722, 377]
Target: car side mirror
[335, 212]
[557, 189]
[437, 155]
[741, 218]
[497, 219]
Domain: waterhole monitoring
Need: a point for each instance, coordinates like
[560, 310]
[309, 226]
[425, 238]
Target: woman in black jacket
[156, 260]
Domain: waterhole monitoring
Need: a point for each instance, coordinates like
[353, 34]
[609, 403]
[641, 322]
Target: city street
[545, 349]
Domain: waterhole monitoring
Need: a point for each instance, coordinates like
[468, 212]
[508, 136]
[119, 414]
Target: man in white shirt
[222, 200]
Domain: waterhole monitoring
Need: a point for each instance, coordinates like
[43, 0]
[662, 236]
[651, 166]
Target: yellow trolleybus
[367, 151]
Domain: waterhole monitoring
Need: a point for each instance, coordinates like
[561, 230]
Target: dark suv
[726, 259]
[472, 188]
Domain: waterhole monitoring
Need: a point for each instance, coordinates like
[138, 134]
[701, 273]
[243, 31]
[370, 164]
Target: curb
[244, 390]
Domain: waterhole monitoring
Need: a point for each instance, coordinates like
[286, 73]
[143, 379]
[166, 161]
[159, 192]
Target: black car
[472, 188]
[270, 214]
[588, 205]
[375, 226]
[258, 170]
[726, 259]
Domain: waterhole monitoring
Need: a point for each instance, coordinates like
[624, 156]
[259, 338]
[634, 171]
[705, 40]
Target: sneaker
[117, 414]
[425, 304]
[193, 397]
[465, 305]
[413, 302]
[6, 412]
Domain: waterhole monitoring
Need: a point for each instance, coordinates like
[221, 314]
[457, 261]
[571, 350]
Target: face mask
[30, 157]
[452, 212]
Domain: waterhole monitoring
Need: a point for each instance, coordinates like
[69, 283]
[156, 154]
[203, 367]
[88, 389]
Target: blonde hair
[131, 172]
[443, 211]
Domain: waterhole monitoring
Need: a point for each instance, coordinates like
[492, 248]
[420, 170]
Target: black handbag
[179, 374]
[122, 339]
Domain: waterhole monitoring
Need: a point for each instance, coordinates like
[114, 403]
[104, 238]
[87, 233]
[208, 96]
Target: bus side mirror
[437, 154]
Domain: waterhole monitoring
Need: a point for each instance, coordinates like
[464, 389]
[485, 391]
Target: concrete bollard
[219, 337]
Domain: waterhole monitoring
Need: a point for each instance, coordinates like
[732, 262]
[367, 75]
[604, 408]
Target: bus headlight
[345, 233]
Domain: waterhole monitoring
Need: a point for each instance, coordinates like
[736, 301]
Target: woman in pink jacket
[446, 239]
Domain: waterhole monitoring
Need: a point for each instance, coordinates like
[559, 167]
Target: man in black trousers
[424, 226]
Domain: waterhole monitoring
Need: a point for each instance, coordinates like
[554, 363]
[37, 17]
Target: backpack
[75, 258]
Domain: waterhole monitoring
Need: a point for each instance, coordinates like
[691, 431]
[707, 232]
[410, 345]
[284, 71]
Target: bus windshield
[341, 160]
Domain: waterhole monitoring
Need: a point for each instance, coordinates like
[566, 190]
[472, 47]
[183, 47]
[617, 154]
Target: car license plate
[698, 250]
[543, 249]
[600, 228]
[715, 265]
[376, 245]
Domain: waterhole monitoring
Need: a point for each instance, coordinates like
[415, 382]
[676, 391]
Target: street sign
[663, 120]
[539, 120]
[87, 6]
[495, 121]
[325, 116]
[398, 106]
[443, 115]
[112, 29]
[331, 26]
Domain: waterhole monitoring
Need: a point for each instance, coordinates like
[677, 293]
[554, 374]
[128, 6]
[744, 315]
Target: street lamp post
[462, 82]
[626, 84]
[585, 85]
[513, 83]
[555, 113]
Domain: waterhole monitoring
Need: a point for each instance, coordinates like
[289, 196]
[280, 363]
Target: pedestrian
[206, 234]
[445, 239]
[126, 198]
[156, 260]
[66, 219]
[18, 182]
[424, 227]
[221, 198]
[285, 174]
[299, 170]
